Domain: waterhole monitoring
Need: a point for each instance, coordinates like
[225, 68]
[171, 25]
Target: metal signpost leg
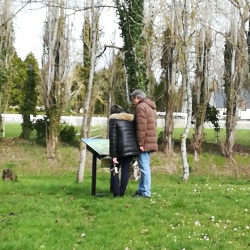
[93, 191]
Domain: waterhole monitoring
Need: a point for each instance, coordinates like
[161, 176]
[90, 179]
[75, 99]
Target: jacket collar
[122, 116]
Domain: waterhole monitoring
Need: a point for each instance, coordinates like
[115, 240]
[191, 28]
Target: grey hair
[138, 93]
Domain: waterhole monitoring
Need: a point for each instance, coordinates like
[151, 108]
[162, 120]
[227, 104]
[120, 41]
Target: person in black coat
[122, 147]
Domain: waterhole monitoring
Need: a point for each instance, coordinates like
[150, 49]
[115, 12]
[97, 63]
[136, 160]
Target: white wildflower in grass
[225, 226]
[143, 231]
[176, 213]
[247, 227]
[246, 210]
[195, 190]
[212, 218]
[235, 229]
[217, 224]
[197, 223]
[83, 234]
[206, 237]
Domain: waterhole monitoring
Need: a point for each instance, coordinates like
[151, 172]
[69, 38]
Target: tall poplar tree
[90, 42]
[55, 69]
[236, 70]
[6, 54]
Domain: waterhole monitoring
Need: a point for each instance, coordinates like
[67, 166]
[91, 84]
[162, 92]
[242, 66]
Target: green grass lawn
[53, 212]
[47, 209]
[242, 135]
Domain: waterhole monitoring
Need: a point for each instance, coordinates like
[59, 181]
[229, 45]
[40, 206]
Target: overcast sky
[28, 26]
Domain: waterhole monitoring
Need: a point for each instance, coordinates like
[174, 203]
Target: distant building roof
[220, 97]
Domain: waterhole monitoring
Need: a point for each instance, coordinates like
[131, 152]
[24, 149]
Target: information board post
[99, 149]
[93, 185]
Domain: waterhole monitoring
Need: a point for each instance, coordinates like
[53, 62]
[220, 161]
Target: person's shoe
[116, 196]
[138, 194]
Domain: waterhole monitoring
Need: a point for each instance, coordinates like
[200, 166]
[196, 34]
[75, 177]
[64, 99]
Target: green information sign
[99, 149]
[100, 146]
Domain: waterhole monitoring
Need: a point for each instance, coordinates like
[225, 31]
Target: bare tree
[55, 68]
[236, 69]
[201, 88]
[185, 33]
[169, 63]
[6, 54]
[94, 36]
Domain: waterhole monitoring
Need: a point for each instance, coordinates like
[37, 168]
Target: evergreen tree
[29, 95]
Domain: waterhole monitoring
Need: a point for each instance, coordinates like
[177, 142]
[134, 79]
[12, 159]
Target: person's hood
[122, 116]
[149, 102]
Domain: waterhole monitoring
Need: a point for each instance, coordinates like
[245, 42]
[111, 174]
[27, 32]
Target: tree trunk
[1, 127]
[26, 127]
[236, 70]
[55, 63]
[201, 89]
[53, 116]
[86, 107]
[187, 90]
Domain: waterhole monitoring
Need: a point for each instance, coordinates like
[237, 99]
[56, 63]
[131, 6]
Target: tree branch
[109, 46]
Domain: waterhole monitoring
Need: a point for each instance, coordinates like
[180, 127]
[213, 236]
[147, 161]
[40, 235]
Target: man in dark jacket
[122, 147]
[146, 121]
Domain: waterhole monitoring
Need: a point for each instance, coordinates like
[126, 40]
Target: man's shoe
[138, 194]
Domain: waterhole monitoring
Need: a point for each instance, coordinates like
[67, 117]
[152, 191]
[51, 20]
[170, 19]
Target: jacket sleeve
[141, 124]
[113, 138]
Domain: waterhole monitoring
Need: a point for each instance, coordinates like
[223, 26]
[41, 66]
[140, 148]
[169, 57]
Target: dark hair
[115, 109]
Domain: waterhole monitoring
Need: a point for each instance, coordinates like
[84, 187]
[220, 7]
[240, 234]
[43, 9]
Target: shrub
[40, 127]
[160, 138]
[68, 133]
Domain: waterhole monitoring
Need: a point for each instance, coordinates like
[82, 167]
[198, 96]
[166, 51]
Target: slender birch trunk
[186, 86]
[86, 108]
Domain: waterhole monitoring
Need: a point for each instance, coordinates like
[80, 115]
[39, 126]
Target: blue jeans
[145, 181]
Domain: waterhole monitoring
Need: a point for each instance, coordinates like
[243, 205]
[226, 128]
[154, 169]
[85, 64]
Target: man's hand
[142, 148]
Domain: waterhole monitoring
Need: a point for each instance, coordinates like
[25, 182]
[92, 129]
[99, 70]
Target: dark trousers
[117, 188]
